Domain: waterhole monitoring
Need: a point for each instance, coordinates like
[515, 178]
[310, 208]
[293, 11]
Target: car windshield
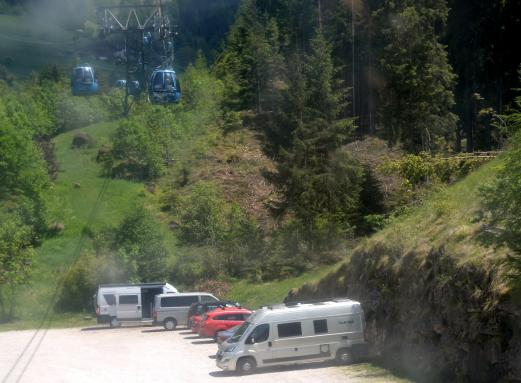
[243, 328]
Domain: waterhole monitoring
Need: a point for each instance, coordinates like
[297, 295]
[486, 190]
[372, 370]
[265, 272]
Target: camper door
[259, 343]
[129, 306]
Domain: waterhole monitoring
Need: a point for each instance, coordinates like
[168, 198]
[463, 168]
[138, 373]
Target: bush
[502, 202]
[139, 243]
[83, 140]
[82, 279]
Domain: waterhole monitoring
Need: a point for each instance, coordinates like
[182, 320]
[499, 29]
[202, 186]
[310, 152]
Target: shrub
[502, 202]
[82, 279]
[83, 140]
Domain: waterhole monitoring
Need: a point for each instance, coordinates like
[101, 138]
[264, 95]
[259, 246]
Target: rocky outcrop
[429, 316]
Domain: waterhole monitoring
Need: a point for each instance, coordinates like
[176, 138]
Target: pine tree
[320, 183]
[252, 66]
[417, 98]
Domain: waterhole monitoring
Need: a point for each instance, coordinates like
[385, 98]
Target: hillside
[84, 200]
[28, 44]
[437, 302]
[77, 201]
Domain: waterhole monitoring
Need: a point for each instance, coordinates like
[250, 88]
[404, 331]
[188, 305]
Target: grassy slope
[72, 206]
[447, 218]
[31, 44]
[255, 295]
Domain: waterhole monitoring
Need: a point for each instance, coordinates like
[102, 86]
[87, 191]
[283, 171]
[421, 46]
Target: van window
[128, 299]
[320, 326]
[261, 333]
[110, 299]
[207, 299]
[185, 301]
[289, 329]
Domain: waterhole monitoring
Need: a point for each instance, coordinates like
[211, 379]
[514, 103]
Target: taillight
[155, 314]
[97, 310]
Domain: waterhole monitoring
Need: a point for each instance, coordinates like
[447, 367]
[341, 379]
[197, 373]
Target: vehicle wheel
[170, 324]
[246, 365]
[114, 322]
[344, 356]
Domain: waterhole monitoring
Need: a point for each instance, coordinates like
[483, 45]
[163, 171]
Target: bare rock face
[430, 317]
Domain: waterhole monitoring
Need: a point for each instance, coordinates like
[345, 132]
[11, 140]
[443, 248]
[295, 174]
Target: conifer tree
[417, 99]
[320, 184]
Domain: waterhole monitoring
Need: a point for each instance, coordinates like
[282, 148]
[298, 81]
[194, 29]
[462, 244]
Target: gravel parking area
[134, 354]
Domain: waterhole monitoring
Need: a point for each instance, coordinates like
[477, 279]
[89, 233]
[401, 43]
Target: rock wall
[428, 317]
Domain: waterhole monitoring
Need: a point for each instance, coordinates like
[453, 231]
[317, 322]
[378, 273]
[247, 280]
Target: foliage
[153, 137]
[16, 256]
[136, 151]
[424, 169]
[133, 251]
[320, 184]
[417, 98]
[83, 140]
[502, 202]
[83, 278]
[23, 214]
[253, 65]
[207, 220]
[139, 242]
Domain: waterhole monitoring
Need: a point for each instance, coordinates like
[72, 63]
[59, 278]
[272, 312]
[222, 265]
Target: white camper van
[296, 333]
[118, 303]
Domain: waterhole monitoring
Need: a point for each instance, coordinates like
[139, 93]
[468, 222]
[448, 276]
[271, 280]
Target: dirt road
[138, 354]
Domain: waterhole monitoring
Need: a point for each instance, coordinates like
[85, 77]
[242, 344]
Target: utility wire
[48, 316]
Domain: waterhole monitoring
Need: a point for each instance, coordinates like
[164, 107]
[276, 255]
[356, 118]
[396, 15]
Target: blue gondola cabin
[83, 81]
[164, 87]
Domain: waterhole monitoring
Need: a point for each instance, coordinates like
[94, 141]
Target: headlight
[231, 348]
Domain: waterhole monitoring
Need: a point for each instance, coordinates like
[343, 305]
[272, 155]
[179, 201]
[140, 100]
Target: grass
[28, 44]
[255, 295]
[72, 206]
[445, 219]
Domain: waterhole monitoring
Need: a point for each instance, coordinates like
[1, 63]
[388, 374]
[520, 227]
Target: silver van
[295, 334]
[172, 310]
[128, 302]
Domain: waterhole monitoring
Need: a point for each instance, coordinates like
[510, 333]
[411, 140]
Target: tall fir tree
[417, 98]
[321, 184]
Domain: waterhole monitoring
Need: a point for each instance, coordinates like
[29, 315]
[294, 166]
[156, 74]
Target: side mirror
[250, 340]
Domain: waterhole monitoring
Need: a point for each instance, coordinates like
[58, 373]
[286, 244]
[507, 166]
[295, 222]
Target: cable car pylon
[152, 24]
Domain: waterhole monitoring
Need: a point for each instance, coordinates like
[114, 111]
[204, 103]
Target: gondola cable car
[83, 81]
[163, 87]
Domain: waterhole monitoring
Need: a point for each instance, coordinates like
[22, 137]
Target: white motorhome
[296, 333]
[116, 303]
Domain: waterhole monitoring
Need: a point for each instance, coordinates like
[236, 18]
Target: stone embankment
[429, 316]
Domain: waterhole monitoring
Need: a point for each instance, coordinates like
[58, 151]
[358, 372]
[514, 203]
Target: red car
[197, 310]
[222, 319]
[197, 319]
